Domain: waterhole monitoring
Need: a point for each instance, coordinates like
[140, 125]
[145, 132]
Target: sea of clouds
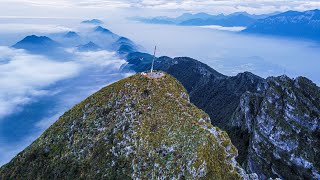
[37, 89]
[229, 52]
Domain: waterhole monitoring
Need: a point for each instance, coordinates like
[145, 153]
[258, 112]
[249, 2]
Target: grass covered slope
[134, 128]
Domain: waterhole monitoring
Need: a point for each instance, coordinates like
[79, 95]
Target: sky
[81, 8]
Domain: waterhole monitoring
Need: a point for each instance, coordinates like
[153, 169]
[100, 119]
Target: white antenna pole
[154, 57]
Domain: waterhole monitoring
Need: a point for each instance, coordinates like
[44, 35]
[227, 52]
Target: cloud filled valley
[37, 87]
[23, 77]
[229, 52]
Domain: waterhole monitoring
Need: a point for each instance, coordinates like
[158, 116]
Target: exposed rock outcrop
[283, 123]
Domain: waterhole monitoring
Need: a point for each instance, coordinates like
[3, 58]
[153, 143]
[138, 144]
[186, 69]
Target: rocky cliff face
[137, 128]
[284, 126]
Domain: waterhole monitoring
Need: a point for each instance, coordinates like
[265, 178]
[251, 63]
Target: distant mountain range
[71, 34]
[92, 21]
[38, 42]
[125, 46]
[203, 19]
[39, 45]
[290, 24]
[91, 46]
[101, 29]
[294, 24]
[100, 38]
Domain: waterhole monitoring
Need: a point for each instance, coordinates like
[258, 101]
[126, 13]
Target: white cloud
[23, 76]
[82, 8]
[102, 58]
[227, 51]
[229, 6]
[41, 28]
[232, 29]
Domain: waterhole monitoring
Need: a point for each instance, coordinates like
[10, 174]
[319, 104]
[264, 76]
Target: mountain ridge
[203, 19]
[103, 30]
[92, 21]
[37, 40]
[115, 134]
[210, 91]
[295, 24]
[40, 45]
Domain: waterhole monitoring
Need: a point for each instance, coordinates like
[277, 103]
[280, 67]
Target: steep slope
[284, 127]
[290, 24]
[103, 30]
[125, 46]
[108, 40]
[216, 94]
[208, 89]
[233, 104]
[137, 128]
[139, 62]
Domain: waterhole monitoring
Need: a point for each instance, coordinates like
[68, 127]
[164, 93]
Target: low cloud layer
[228, 6]
[23, 76]
[27, 80]
[232, 29]
[100, 58]
[40, 28]
[229, 52]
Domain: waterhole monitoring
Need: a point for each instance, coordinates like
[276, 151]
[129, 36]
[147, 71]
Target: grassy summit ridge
[136, 128]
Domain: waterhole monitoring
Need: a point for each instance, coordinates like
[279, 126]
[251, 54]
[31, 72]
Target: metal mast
[154, 57]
